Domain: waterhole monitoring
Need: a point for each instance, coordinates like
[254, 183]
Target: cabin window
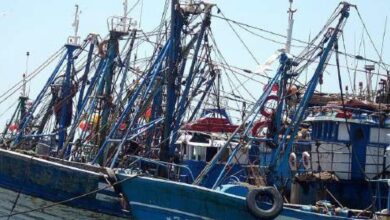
[200, 138]
[211, 151]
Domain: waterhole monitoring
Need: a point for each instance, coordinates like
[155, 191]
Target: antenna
[125, 8]
[124, 19]
[24, 94]
[369, 69]
[74, 40]
[76, 21]
[290, 26]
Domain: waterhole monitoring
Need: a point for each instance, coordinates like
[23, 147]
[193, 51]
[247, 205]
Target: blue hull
[152, 198]
[56, 182]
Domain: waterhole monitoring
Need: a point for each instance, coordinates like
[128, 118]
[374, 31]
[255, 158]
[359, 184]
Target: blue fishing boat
[37, 179]
[279, 160]
[35, 187]
[153, 198]
[96, 146]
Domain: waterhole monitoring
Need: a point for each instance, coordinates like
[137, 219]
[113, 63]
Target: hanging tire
[273, 196]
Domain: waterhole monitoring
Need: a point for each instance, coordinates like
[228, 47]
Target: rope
[26, 173]
[239, 37]
[371, 41]
[243, 25]
[11, 91]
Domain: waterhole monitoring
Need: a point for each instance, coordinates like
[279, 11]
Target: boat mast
[66, 94]
[369, 68]
[176, 25]
[23, 96]
[76, 20]
[290, 26]
[118, 27]
[125, 9]
[24, 93]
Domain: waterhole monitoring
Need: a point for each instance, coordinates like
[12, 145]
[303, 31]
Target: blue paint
[150, 77]
[152, 198]
[28, 117]
[183, 103]
[279, 162]
[234, 189]
[65, 99]
[54, 182]
[360, 135]
[197, 166]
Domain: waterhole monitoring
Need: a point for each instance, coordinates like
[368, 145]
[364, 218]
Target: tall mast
[24, 92]
[124, 19]
[369, 69]
[75, 38]
[124, 8]
[290, 26]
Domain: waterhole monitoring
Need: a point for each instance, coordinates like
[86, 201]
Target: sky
[42, 27]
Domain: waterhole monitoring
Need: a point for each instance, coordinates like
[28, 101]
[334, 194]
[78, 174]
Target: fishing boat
[35, 180]
[277, 169]
[35, 187]
[106, 139]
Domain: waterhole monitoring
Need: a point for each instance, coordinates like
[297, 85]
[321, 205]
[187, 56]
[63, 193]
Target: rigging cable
[380, 62]
[238, 36]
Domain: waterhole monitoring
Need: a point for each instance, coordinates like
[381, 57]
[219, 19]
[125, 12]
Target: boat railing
[167, 165]
[341, 107]
[73, 40]
[120, 24]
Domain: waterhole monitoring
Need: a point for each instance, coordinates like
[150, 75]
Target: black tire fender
[271, 193]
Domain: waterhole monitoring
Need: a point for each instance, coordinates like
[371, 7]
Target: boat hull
[35, 179]
[26, 203]
[152, 198]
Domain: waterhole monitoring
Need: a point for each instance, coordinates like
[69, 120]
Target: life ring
[265, 192]
[258, 126]
[292, 161]
[306, 160]
[274, 88]
[13, 127]
[263, 111]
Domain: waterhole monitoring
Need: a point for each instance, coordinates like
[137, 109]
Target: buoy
[292, 160]
[84, 126]
[148, 114]
[122, 126]
[275, 87]
[95, 118]
[306, 160]
[13, 127]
